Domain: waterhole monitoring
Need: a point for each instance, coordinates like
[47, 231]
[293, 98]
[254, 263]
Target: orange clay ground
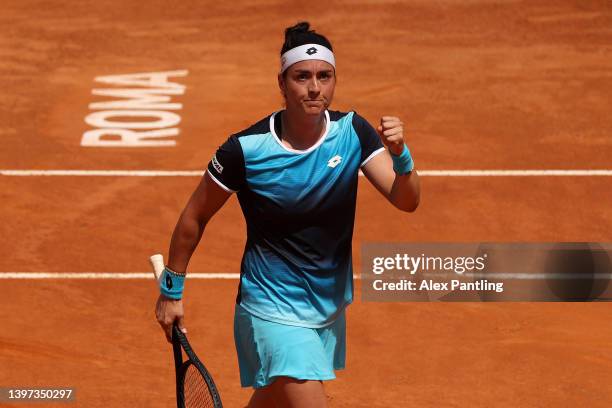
[480, 85]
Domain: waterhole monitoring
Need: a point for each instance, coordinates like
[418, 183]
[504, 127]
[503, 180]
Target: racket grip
[157, 262]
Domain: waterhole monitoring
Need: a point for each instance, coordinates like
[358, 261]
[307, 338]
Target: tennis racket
[194, 384]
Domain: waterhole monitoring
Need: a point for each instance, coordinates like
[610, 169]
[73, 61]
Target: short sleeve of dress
[226, 167]
[370, 142]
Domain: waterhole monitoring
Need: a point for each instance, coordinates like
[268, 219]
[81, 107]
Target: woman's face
[308, 86]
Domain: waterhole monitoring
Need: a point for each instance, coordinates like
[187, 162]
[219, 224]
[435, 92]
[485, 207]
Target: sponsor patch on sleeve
[217, 165]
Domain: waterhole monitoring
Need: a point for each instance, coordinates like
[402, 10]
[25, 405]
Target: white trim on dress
[311, 148]
[229, 190]
[370, 157]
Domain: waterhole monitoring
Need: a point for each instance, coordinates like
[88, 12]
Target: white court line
[107, 275]
[525, 276]
[233, 276]
[199, 173]
[514, 173]
[102, 173]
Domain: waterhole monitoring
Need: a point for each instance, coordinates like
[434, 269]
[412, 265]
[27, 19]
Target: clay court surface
[482, 85]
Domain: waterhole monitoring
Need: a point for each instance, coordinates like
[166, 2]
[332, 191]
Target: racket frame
[179, 341]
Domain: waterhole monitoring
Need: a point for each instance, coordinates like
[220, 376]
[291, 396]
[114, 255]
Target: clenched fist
[391, 132]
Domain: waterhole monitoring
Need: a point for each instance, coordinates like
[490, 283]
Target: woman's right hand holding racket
[167, 312]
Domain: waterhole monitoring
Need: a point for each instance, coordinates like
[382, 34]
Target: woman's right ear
[281, 84]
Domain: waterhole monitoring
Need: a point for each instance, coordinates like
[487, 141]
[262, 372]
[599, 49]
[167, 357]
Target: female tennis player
[295, 173]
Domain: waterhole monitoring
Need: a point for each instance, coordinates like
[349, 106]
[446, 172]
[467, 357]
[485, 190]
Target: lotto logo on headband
[311, 51]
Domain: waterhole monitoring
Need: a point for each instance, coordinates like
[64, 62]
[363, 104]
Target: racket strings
[197, 393]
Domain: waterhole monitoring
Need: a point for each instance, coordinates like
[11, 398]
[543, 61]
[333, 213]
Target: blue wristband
[171, 284]
[402, 164]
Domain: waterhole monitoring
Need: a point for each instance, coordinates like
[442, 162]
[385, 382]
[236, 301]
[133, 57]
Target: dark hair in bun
[301, 34]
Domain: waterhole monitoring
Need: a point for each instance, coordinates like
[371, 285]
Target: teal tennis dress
[296, 276]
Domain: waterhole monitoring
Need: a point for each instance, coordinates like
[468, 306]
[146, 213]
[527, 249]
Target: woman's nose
[314, 85]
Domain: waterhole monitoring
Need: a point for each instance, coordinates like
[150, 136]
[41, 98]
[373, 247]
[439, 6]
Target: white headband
[307, 52]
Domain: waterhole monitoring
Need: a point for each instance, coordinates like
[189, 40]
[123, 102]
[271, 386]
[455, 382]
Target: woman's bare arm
[205, 201]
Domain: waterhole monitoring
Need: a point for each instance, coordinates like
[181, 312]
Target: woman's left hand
[391, 132]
